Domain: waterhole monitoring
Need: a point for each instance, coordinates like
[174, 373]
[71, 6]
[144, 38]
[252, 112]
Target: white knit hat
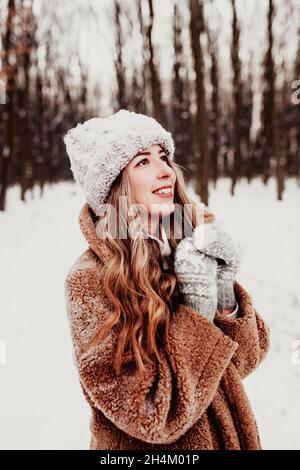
[100, 148]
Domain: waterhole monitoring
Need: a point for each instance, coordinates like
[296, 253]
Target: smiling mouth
[167, 192]
[167, 195]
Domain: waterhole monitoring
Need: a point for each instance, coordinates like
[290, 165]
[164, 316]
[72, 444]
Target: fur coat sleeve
[249, 330]
[162, 403]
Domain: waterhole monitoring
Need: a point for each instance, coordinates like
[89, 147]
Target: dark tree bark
[9, 70]
[236, 66]
[269, 111]
[197, 26]
[119, 65]
[158, 111]
[180, 100]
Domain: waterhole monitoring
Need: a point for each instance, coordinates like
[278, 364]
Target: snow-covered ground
[42, 406]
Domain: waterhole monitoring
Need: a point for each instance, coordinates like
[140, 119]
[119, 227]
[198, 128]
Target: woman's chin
[163, 210]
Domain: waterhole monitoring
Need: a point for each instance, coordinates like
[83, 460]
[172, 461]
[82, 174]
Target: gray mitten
[215, 240]
[197, 278]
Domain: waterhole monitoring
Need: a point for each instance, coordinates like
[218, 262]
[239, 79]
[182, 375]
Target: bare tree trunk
[236, 65]
[41, 133]
[297, 114]
[269, 150]
[196, 28]
[45, 109]
[141, 101]
[10, 71]
[246, 118]
[214, 123]
[158, 112]
[280, 140]
[282, 123]
[120, 71]
[26, 162]
[180, 100]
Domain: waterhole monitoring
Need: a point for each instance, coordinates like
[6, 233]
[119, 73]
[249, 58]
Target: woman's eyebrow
[147, 153]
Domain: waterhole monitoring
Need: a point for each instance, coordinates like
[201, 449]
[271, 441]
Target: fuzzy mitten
[215, 240]
[197, 278]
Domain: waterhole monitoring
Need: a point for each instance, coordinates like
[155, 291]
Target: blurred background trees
[197, 66]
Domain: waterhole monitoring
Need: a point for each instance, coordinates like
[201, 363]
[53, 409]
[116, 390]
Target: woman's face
[148, 171]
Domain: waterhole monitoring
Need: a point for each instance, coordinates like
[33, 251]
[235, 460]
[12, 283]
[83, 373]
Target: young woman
[163, 333]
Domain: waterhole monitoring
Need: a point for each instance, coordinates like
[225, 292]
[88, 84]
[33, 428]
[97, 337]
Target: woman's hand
[215, 240]
[197, 278]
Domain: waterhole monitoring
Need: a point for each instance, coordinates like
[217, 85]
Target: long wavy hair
[143, 293]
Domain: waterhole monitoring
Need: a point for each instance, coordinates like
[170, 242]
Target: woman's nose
[163, 169]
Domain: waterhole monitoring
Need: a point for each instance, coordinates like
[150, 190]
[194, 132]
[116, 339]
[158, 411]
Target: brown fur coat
[194, 399]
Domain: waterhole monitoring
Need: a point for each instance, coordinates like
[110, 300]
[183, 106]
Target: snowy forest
[223, 76]
[233, 113]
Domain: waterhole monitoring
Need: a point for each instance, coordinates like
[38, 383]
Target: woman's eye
[146, 159]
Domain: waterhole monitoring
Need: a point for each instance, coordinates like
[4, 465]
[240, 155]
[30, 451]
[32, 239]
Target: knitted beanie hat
[100, 148]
